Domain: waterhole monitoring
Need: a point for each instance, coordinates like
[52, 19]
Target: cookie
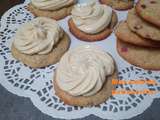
[142, 28]
[57, 15]
[38, 61]
[125, 34]
[119, 4]
[96, 99]
[90, 37]
[146, 58]
[149, 10]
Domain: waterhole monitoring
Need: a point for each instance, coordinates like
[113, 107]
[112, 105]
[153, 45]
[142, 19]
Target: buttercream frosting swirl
[91, 18]
[38, 36]
[51, 4]
[82, 71]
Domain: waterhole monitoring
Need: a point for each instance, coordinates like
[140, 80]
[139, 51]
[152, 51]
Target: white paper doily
[36, 84]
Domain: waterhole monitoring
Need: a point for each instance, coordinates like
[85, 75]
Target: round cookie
[96, 99]
[119, 4]
[38, 61]
[142, 28]
[57, 15]
[149, 10]
[125, 34]
[147, 58]
[90, 37]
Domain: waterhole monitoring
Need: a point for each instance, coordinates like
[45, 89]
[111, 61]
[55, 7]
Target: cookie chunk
[125, 34]
[149, 10]
[141, 27]
[119, 4]
[146, 58]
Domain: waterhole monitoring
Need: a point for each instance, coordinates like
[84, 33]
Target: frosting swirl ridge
[91, 18]
[82, 71]
[38, 36]
[51, 4]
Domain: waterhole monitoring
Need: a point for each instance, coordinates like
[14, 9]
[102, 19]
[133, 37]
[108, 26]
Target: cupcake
[92, 21]
[119, 4]
[56, 9]
[40, 42]
[84, 76]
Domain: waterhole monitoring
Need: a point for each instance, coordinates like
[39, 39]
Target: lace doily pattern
[36, 84]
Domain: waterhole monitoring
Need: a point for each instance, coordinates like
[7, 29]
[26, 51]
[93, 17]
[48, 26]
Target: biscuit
[38, 61]
[125, 34]
[93, 37]
[149, 10]
[141, 27]
[118, 4]
[146, 58]
[57, 15]
[96, 99]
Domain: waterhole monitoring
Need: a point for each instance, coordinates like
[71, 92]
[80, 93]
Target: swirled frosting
[91, 18]
[38, 36]
[51, 4]
[82, 71]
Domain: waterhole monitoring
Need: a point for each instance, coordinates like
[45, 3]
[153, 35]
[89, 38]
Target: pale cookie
[149, 10]
[125, 34]
[142, 28]
[96, 99]
[93, 37]
[119, 4]
[38, 61]
[147, 58]
[57, 15]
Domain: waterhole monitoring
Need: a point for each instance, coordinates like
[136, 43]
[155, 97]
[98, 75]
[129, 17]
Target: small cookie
[125, 34]
[96, 99]
[149, 10]
[142, 28]
[119, 4]
[147, 58]
[57, 15]
[38, 61]
[90, 37]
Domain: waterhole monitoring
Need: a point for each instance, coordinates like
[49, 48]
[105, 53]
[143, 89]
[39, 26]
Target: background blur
[13, 107]
[6, 4]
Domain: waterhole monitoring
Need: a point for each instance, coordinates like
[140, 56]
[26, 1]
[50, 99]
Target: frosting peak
[83, 70]
[51, 4]
[38, 36]
[91, 18]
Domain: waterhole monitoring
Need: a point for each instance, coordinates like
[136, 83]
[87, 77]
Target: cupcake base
[57, 15]
[38, 61]
[118, 5]
[96, 99]
[93, 37]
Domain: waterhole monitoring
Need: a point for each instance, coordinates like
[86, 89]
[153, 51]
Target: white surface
[41, 79]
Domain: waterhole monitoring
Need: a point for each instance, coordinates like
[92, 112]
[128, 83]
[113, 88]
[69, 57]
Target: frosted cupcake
[40, 42]
[57, 9]
[84, 76]
[92, 21]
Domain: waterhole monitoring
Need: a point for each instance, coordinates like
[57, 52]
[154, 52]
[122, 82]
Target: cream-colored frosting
[38, 36]
[51, 4]
[82, 71]
[91, 18]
